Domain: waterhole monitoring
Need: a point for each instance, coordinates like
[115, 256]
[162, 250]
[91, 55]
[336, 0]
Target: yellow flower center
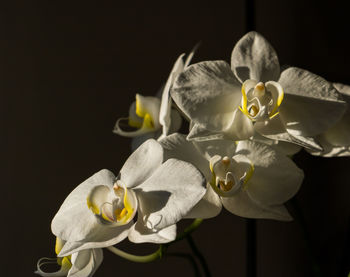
[261, 101]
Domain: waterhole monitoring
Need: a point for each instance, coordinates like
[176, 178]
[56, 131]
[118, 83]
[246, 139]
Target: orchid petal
[287, 148]
[104, 236]
[165, 107]
[339, 134]
[311, 104]
[170, 193]
[329, 150]
[85, 262]
[254, 58]
[63, 271]
[208, 93]
[118, 129]
[209, 206]
[276, 178]
[241, 127]
[139, 233]
[242, 205]
[142, 163]
[199, 133]
[87, 229]
[176, 146]
[274, 129]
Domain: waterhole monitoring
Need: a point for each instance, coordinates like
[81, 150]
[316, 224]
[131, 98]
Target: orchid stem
[188, 230]
[138, 259]
[199, 255]
[161, 250]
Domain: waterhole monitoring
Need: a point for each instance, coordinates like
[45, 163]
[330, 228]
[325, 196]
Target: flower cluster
[246, 120]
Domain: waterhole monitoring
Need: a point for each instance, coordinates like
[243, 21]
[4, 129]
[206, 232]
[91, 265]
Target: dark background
[69, 70]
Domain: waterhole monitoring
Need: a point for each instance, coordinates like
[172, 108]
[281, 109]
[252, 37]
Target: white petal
[118, 129]
[170, 193]
[86, 229]
[274, 129]
[209, 206]
[208, 93]
[104, 237]
[165, 107]
[221, 147]
[176, 121]
[254, 58]
[276, 178]
[329, 150]
[85, 263]
[142, 163]
[176, 146]
[139, 233]
[242, 205]
[339, 134]
[287, 148]
[311, 105]
[241, 127]
[199, 133]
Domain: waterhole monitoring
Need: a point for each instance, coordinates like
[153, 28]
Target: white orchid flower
[153, 117]
[249, 179]
[336, 140]
[253, 96]
[80, 264]
[100, 211]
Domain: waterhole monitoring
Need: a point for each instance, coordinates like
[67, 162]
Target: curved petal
[311, 105]
[199, 133]
[139, 233]
[254, 58]
[85, 262]
[242, 205]
[170, 193]
[104, 237]
[87, 229]
[339, 134]
[330, 150]
[118, 129]
[274, 129]
[148, 105]
[176, 146]
[165, 106]
[286, 148]
[209, 206]
[276, 178]
[208, 93]
[241, 127]
[142, 163]
[221, 147]
[176, 121]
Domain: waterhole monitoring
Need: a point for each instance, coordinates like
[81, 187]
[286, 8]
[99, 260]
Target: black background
[68, 70]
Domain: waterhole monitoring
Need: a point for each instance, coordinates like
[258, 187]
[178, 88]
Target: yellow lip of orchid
[99, 202]
[252, 111]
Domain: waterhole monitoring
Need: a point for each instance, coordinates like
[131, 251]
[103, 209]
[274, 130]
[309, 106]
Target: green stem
[194, 225]
[138, 259]
[161, 250]
[199, 255]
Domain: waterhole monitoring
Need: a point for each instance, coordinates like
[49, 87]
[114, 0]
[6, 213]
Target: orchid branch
[162, 247]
